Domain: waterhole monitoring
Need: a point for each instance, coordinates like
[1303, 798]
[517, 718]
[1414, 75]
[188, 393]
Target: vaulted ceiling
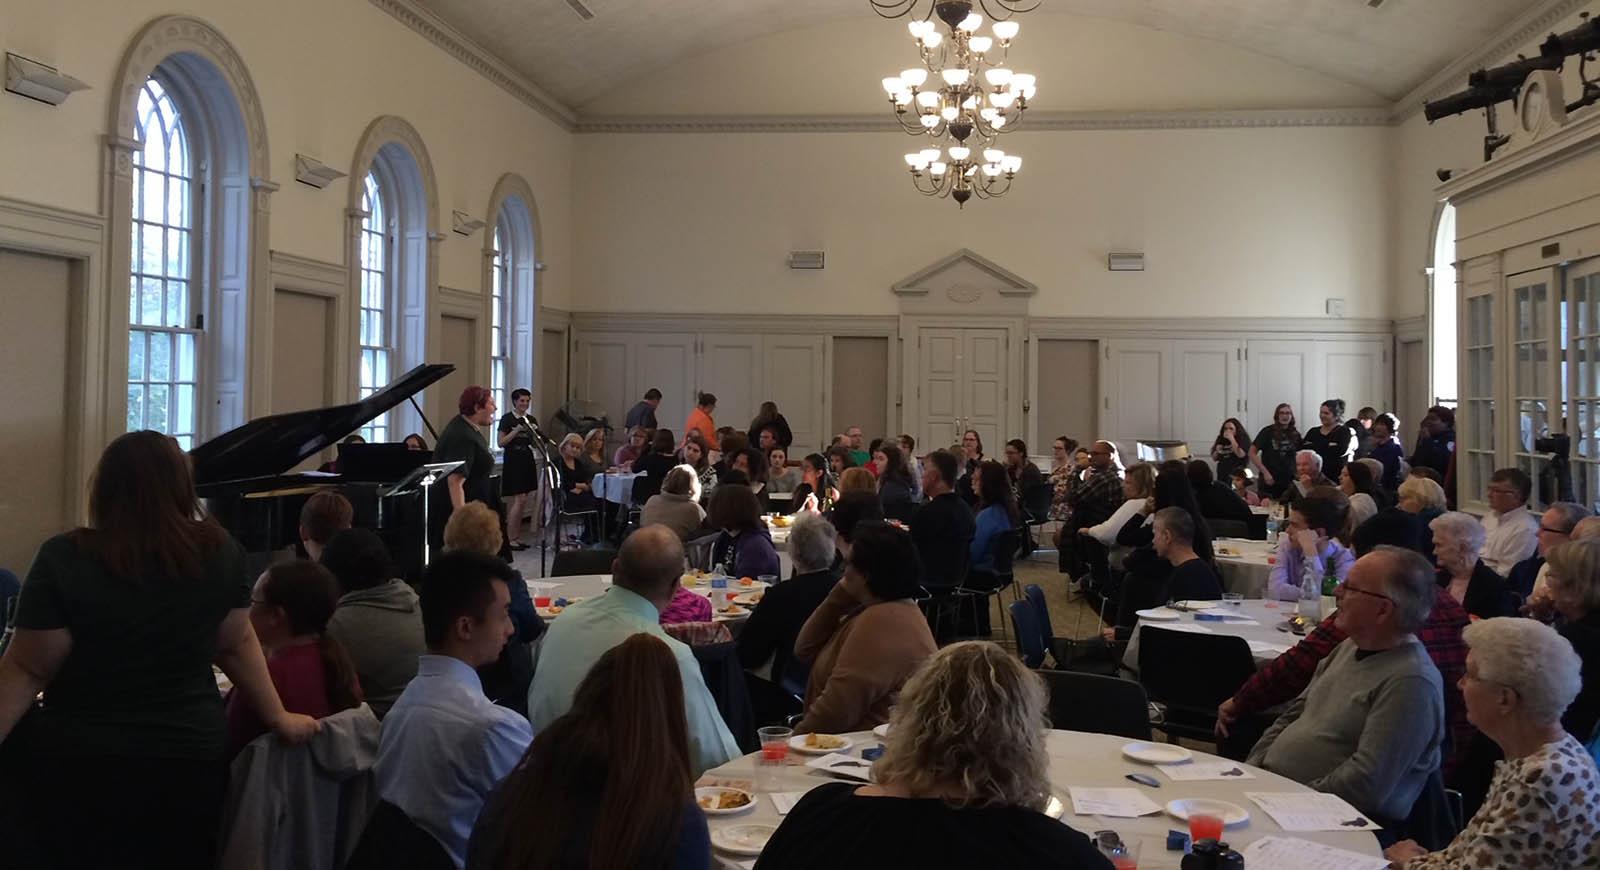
[1388, 50]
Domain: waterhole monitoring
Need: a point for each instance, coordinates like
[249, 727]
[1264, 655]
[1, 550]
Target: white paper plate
[1156, 753]
[717, 793]
[742, 839]
[549, 612]
[882, 731]
[1195, 605]
[798, 744]
[737, 614]
[1159, 614]
[749, 599]
[1232, 814]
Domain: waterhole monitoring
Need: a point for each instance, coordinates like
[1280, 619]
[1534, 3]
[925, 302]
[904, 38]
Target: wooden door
[1137, 381]
[1278, 371]
[792, 366]
[730, 369]
[984, 390]
[940, 387]
[1205, 380]
[665, 361]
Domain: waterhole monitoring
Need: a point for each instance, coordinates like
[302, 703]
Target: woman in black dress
[575, 476]
[1272, 453]
[1231, 450]
[518, 476]
[1332, 440]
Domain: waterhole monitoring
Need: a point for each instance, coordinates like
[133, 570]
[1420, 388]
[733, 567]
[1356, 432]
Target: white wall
[324, 70]
[1259, 222]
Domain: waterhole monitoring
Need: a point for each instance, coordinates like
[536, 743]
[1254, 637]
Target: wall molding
[1039, 122]
[456, 44]
[1525, 28]
[306, 275]
[828, 324]
[1411, 329]
[1231, 327]
[460, 303]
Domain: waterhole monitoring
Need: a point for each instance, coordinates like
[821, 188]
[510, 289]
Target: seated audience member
[289, 611]
[766, 645]
[857, 479]
[324, 515]
[1386, 448]
[475, 528]
[745, 546]
[1310, 546]
[575, 474]
[1588, 527]
[378, 620]
[632, 450]
[1216, 500]
[444, 745]
[118, 624]
[1190, 578]
[873, 463]
[850, 512]
[654, 465]
[1171, 489]
[414, 441]
[622, 745]
[780, 477]
[1543, 808]
[1383, 498]
[908, 449]
[1138, 488]
[677, 505]
[1355, 481]
[943, 527]
[867, 637]
[1370, 726]
[894, 477]
[1020, 470]
[1424, 500]
[1556, 525]
[733, 458]
[1098, 493]
[1458, 539]
[1511, 530]
[997, 514]
[1307, 475]
[1063, 472]
[694, 454]
[971, 455]
[593, 455]
[1574, 580]
[1242, 481]
[686, 606]
[1393, 527]
[814, 481]
[840, 459]
[965, 763]
[770, 429]
[852, 442]
[644, 578]
[753, 463]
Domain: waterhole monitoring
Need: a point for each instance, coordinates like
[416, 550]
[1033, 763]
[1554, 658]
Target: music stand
[421, 479]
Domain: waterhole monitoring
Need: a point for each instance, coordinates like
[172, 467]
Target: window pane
[150, 260]
[160, 356]
[155, 198]
[185, 419]
[135, 407]
[177, 263]
[178, 202]
[135, 356]
[185, 358]
[150, 301]
[156, 407]
[177, 304]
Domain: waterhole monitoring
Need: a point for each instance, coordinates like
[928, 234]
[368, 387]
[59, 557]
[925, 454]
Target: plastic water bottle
[720, 596]
[1272, 529]
[1310, 596]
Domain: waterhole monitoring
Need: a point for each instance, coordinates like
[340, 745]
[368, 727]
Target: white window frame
[375, 358]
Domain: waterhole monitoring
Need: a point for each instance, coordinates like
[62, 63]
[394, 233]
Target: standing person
[700, 418]
[1436, 441]
[1332, 440]
[462, 440]
[768, 420]
[1272, 453]
[1231, 450]
[518, 473]
[1387, 450]
[971, 457]
[859, 454]
[118, 625]
[644, 413]
[1512, 531]
[609, 783]
[1360, 427]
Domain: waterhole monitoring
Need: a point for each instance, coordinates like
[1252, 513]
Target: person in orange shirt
[700, 418]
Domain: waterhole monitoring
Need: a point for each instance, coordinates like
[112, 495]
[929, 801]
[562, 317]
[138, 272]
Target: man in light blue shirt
[644, 577]
[444, 745]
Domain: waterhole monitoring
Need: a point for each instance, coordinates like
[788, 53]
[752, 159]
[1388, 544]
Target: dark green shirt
[463, 441]
[138, 681]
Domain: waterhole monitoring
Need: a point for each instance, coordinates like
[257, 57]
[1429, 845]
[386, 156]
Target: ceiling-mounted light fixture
[463, 224]
[34, 80]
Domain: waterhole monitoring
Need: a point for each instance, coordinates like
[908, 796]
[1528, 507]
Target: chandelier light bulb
[892, 85]
[919, 28]
[1002, 99]
[989, 169]
[913, 159]
[970, 102]
[998, 77]
[993, 155]
[930, 121]
[959, 153]
[988, 113]
[938, 168]
[932, 39]
[903, 98]
[914, 77]
[1006, 31]
[1022, 84]
[949, 113]
[998, 122]
[955, 78]
[972, 22]
[1012, 163]
[929, 155]
[981, 44]
[928, 99]
[971, 171]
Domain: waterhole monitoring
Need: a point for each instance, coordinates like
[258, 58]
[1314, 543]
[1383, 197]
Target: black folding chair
[1101, 705]
[1035, 507]
[573, 563]
[978, 586]
[1189, 675]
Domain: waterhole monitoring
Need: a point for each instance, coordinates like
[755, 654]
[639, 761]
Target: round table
[1244, 568]
[1076, 759]
[591, 585]
[1266, 641]
[615, 487]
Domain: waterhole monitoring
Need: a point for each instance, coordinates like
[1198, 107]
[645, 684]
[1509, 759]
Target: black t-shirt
[833, 827]
[942, 529]
[138, 681]
[1335, 448]
[772, 628]
[1194, 580]
[464, 441]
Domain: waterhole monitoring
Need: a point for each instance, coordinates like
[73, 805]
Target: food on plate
[747, 581]
[824, 741]
[782, 522]
[731, 609]
[727, 800]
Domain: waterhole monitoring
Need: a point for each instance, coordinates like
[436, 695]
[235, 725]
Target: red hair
[472, 398]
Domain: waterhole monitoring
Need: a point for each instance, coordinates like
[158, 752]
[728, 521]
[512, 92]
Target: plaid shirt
[1095, 498]
[1285, 677]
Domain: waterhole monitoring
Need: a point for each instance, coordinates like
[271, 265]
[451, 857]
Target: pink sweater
[686, 606]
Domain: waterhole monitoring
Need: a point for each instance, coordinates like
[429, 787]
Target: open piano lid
[272, 445]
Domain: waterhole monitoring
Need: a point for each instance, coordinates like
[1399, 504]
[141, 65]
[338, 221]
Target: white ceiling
[1388, 50]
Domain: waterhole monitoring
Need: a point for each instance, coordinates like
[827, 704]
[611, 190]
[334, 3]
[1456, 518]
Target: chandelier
[1007, 8]
[962, 96]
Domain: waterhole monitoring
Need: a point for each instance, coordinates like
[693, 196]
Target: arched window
[1442, 310]
[377, 303]
[164, 329]
[499, 315]
[510, 287]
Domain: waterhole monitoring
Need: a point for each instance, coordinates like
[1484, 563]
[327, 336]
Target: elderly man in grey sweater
[1370, 726]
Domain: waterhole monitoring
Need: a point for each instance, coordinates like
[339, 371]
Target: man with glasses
[1512, 531]
[1371, 725]
[1555, 528]
[1092, 500]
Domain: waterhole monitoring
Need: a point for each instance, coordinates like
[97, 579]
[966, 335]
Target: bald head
[649, 564]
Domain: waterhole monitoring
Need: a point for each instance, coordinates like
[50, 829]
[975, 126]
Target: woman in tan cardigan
[867, 637]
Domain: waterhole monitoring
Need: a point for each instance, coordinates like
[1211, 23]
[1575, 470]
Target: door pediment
[964, 283]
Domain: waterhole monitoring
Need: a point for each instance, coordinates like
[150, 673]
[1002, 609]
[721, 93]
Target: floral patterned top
[1543, 812]
[1061, 479]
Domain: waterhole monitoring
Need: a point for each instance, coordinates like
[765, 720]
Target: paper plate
[798, 744]
[749, 599]
[742, 839]
[549, 612]
[1231, 814]
[882, 731]
[1156, 753]
[1159, 614]
[716, 792]
[1195, 605]
[737, 613]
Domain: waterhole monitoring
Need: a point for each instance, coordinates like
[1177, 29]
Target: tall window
[499, 317]
[376, 328]
[1443, 320]
[163, 334]
[1583, 376]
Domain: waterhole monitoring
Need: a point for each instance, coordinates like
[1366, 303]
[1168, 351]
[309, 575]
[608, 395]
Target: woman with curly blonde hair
[965, 764]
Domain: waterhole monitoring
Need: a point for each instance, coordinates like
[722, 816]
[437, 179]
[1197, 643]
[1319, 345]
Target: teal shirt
[583, 634]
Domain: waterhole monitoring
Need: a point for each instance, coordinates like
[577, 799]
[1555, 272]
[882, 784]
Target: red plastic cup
[1204, 827]
[541, 601]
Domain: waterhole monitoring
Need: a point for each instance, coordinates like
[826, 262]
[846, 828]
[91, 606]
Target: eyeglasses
[1555, 531]
[1348, 588]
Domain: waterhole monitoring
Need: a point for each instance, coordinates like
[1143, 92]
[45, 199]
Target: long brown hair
[144, 517]
[616, 765]
[308, 593]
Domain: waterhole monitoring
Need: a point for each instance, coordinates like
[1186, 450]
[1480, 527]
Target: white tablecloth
[1076, 759]
[615, 488]
[1266, 641]
[1245, 571]
[590, 585]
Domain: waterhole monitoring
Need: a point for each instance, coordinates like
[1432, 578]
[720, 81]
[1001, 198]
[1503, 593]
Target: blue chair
[1041, 616]
[1027, 627]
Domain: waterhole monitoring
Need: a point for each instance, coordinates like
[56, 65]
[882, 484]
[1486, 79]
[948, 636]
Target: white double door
[962, 385]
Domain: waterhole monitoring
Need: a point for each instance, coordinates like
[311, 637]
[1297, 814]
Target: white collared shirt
[1511, 537]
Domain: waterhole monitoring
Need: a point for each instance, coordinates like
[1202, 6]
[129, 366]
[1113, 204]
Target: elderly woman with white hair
[677, 505]
[1574, 580]
[1543, 808]
[575, 475]
[964, 765]
[766, 645]
[1457, 546]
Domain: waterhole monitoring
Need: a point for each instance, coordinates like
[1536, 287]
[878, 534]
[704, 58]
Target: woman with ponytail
[289, 610]
[608, 784]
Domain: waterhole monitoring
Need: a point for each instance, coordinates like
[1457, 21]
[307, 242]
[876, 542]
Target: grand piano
[243, 475]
